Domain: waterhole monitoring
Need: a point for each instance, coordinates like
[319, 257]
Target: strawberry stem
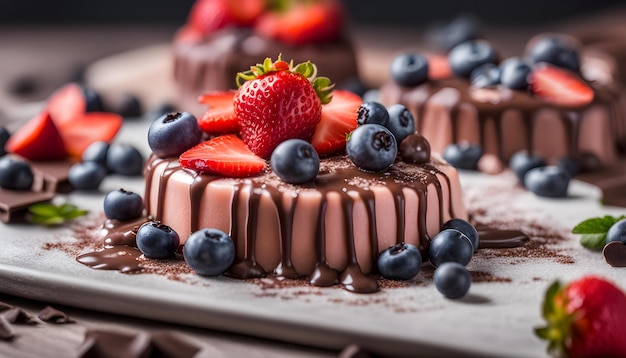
[559, 322]
[322, 85]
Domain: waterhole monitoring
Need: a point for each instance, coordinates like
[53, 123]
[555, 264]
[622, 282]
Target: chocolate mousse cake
[209, 53]
[552, 110]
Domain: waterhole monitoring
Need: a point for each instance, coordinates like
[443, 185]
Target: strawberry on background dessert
[300, 184]
[223, 37]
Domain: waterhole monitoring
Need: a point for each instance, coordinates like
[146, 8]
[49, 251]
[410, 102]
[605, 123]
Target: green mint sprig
[594, 231]
[50, 214]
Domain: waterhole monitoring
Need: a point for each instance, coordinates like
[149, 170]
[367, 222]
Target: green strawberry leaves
[558, 320]
[50, 214]
[594, 231]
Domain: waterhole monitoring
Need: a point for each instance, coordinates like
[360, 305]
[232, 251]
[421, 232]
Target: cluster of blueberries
[100, 159]
[209, 252]
[372, 146]
[449, 252]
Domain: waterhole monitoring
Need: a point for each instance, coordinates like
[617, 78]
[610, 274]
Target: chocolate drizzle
[337, 177]
[121, 258]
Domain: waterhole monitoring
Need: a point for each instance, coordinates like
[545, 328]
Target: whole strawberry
[586, 318]
[279, 101]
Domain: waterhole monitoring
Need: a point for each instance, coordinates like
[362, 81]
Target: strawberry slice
[67, 103]
[38, 139]
[438, 67]
[339, 118]
[220, 117]
[245, 12]
[560, 86]
[226, 155]
[207, 16]
[87, 128]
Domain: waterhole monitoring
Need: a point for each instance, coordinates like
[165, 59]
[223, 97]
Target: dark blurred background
[362, 12]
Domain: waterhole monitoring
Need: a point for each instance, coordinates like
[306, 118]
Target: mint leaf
[594, 231]
[50, 214]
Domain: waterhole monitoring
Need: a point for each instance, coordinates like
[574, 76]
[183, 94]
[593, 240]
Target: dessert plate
[496, 318]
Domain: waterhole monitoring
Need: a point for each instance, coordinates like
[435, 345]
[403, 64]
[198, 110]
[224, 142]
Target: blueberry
[401, 123]
[465, 57]
[557, 50]
[96, 152]
[371, 95]
[550, 181]
[173, 133]
[15, 174]
[514, 73]
[569, 164]
[521, 163]
[157, 241]
[400, 262]
[130, 106]
[372, 113]
[460, 29]
[86, 175]
[466, 228]
[372, 147]
[295, 161]
[415, 149]
[617, 232]
[123, 205]
[450, 245]
[209, 252]
[487, 75]
[409, 69]
[124, 159]
[4, 138]
[92, 100]
[452, 280]
[463, 156]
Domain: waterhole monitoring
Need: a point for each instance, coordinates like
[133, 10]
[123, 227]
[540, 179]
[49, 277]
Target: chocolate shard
[51, 176]
[14, 203]
[53, 315]
[6, 330]
[18, 315]
[108, 344]
[5, 306]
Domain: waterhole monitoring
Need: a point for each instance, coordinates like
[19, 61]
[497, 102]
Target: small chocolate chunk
[168, 344]
[14, 204]
[6, 330]
[415, 149]
[103, 344]
[615, 254]
[53, 315]
[18, 315]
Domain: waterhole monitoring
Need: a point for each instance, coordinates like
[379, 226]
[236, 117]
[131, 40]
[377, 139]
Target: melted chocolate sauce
[121, 258]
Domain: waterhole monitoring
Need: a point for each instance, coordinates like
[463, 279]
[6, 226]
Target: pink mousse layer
[505, 121]
[169, 191]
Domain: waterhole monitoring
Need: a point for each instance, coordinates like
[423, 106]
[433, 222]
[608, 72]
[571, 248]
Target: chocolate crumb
[52, 315]
[6, 330]
[18, 315]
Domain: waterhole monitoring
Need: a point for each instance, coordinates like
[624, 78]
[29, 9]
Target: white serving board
[495, 319]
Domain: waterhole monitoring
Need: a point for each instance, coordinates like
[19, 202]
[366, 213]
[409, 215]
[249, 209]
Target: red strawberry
[304, 23]
[438, 67]
[339, 118]
[225, 155]
[67, 103]
[586, 318]
[206, 16]
[278, 102]
[38, 139]
[220, 117]
[245, 12]
[87, 128]
[187, 34]
[560, 86]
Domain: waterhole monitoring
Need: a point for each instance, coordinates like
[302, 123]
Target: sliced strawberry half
[560, 86]
[67, 103]
[87, 128]
[220, 117]
[245, 12]
[438, 67]
[38, 139]
[225, 155]
[339, 118]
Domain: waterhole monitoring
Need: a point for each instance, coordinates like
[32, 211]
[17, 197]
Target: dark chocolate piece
[14, 204]
[168, 344]
[611, 180]
[6, 330]
[615, 254]
[18, 315]
[105, 344]
[491, 238]
[53, 315]
[52, 176]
